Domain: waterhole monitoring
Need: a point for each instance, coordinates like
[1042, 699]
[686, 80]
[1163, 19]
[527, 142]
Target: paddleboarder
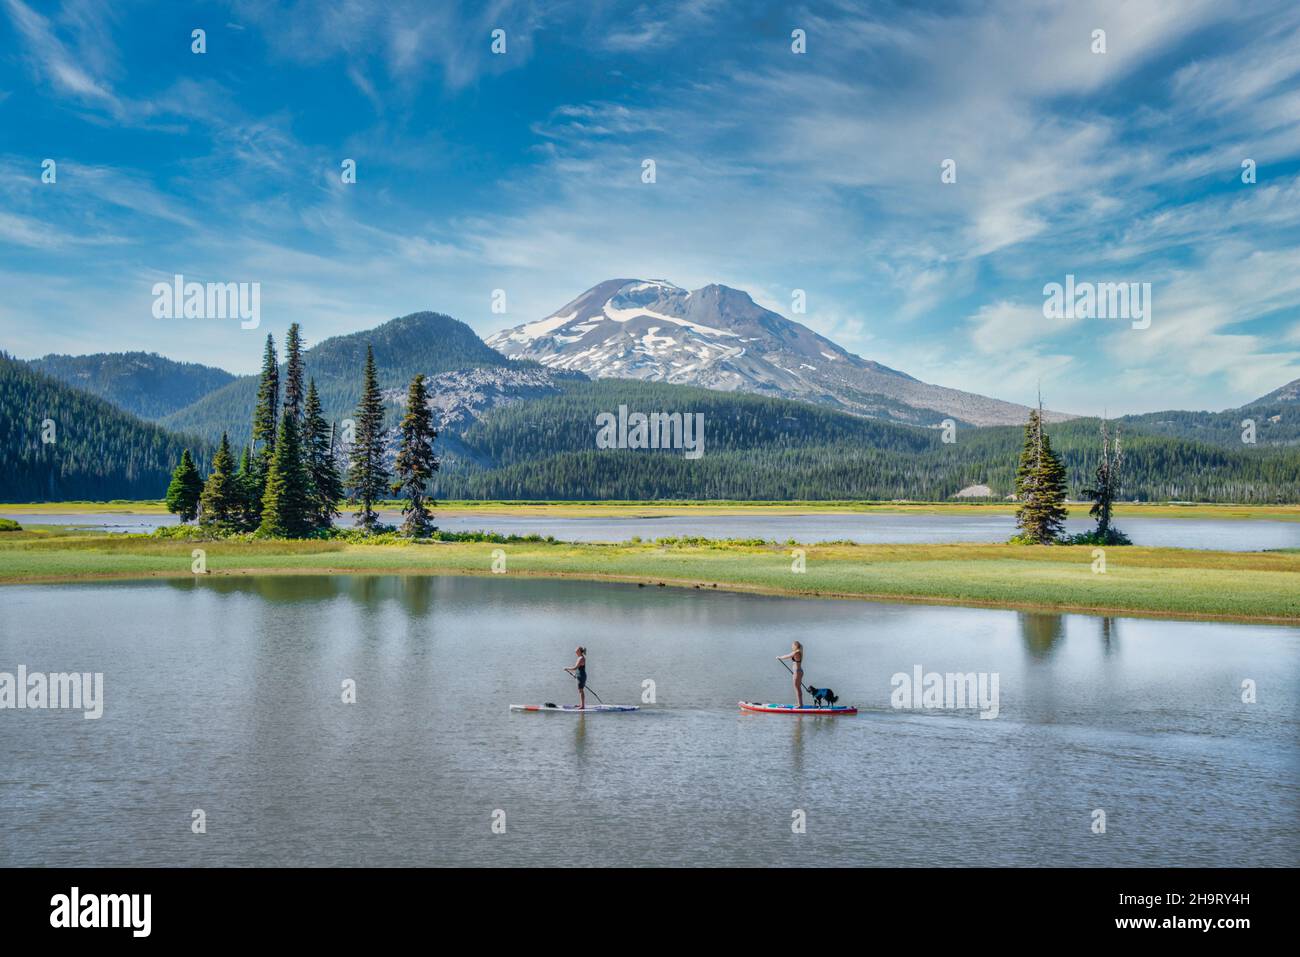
[579, 671]
[796, 656]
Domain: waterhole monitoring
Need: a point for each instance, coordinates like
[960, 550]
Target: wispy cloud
[775, 171]
[415, 42]
[51, 58]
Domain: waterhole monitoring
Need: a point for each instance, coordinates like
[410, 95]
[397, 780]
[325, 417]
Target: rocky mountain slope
[463, 397]
[719, 338]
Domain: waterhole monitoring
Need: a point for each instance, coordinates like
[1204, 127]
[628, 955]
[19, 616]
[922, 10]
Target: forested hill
[1274, 419]
[98, 451]
[142, 383]
[545, 447]
[760, 448]
[427, 342]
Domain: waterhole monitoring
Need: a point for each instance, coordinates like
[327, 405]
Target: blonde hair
[798, 646]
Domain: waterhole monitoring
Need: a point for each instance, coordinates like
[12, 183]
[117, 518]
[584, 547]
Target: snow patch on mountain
[719, 338]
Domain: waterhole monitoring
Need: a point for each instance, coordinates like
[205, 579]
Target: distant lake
[224, 694]
[867, 527]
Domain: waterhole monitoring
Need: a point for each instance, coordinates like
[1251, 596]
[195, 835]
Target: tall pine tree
[1040, 485]
[286, 503]
[250, 493]
[222, 502]
[367, 478]
[265, 421]
[293, 375]
[326, 485]
[416, 460]
[185, 488]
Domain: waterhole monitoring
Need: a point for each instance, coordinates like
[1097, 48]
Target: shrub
[1024, 540]
[492, 537]
[379, 535]
[1112, 537]
[696, 541]
[187, 533]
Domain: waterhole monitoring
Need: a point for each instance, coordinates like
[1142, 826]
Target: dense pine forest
[544, 448]
[59, 443]
[1272, 419]
[142, 383]
[758, 448]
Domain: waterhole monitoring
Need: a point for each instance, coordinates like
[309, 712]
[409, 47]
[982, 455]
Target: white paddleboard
[573, 708]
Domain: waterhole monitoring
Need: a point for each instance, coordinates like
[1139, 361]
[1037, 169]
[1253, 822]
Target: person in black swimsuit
[579, 671]
[796, 655]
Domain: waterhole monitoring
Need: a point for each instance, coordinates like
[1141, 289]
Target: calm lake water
[868, 527]
[224, 694]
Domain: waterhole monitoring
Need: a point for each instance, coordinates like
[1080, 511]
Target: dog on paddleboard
[823, 696]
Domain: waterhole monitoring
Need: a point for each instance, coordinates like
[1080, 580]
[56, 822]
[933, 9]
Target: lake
[811, 527]
[225, 695]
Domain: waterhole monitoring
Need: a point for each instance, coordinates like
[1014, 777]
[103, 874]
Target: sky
[775, 171]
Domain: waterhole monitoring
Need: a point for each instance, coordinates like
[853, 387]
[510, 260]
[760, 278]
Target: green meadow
[1166, 582]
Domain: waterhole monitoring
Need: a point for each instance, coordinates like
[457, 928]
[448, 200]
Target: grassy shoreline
[1164, 582]
[614, 509]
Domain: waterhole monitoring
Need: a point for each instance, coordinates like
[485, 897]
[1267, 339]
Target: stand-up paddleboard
[795, 709]
[574, 709]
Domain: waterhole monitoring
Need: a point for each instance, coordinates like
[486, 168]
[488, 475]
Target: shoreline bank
[616, 509]
[1161, 582]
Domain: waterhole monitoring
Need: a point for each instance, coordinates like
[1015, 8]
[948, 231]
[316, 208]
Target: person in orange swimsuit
[796, 656]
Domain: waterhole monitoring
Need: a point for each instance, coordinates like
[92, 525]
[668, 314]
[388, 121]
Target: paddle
[589, 687]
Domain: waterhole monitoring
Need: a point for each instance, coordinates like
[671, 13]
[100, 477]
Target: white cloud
[52, 59]
[775, 171]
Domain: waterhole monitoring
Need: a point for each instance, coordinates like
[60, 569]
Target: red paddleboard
[795, 709]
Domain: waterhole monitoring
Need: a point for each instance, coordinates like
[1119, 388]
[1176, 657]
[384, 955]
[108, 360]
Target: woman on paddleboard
[796, 655]
[579, 671]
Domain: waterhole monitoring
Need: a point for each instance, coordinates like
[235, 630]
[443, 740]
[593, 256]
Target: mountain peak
[143, 383]
[433, 337]
[1287, 393]
[721, 291]
[719, 338]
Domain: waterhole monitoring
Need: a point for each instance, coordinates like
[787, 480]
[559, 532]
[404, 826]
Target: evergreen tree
[248, 491]
[325, 483]
[185, 488]
[293, 375]
[1040, 485]
[416, 460]
[367, 477]
[222, 503]
[286, 503]
[265, 417]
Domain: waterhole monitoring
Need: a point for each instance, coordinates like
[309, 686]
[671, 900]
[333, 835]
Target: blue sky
[775, 171]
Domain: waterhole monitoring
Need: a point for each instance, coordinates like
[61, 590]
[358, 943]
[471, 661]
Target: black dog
[823, 696]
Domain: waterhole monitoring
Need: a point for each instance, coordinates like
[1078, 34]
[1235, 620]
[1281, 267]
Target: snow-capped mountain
[719, 338]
